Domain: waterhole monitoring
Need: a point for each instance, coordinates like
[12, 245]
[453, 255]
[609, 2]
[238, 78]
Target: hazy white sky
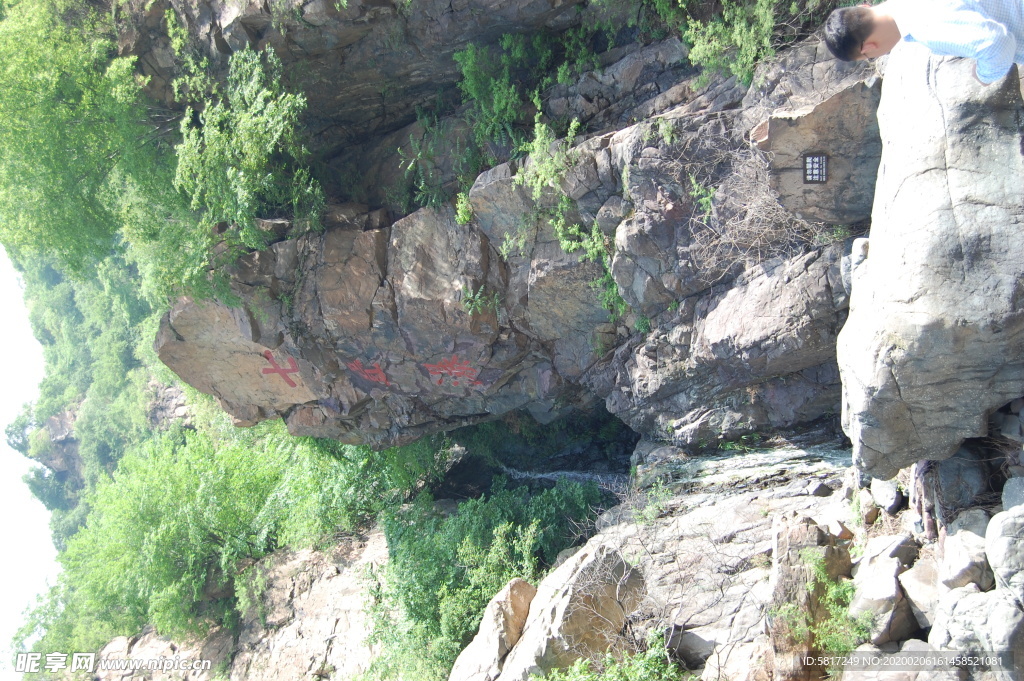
[29, 555]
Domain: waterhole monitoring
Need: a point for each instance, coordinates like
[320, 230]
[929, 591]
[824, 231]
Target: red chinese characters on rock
[374, 373]
[455, 370]
[293, 368]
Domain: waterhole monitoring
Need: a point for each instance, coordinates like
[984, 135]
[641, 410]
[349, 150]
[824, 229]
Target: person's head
[853, 33]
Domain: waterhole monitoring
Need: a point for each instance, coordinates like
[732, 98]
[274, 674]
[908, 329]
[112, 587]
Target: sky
[29, 557]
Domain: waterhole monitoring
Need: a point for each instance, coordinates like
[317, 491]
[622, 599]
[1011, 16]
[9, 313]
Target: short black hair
[846, 31]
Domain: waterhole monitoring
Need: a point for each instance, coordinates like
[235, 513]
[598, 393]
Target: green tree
[239, 163]
[68, 118]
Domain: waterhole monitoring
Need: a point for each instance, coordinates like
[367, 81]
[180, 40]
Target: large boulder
[500, 629]
[1004, 548]
[877, 588]
[578, 611]
[362, 335]
[922, 588]
[932, 342]
[367, 333]
[963, 553]
[971, 622]
[756, 355]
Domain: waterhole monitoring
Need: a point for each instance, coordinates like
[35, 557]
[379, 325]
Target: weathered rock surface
[59, 452]
[757, 355]
[969, 621]
[363, 66]
[707, 554]
[892, 666]
[934, 335]
[148, 645]
[878, 592]
[500, 629]
[363, 333]
[740, 661]
[308, 621]
[844, 130]
[1004, 549]
[963, 552]
[922, 588]
[578, 611]
[886, 495]
[369, 342]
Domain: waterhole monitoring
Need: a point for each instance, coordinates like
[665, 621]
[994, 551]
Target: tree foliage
[167, 532]
[444, 569]
[235, 163]
[87, 167]
[69, 116]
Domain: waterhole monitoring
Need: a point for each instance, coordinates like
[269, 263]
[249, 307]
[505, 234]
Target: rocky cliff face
[934, 336]
[363, 66]
[364, 333]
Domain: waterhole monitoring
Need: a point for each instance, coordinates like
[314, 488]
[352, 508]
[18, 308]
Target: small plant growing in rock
[643, 324]
[653, 503]
[477, 302]
[702, 196]
[839, 632]
[650, 665]
[666, 131]
[463, 209]
[745, 443]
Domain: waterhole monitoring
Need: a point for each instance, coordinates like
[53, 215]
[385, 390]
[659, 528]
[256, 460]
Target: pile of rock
[963, 593]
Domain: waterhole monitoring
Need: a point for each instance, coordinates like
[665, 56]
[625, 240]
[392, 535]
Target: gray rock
[1010, 428]
[868, 510]
[854, 480]
[500, 629]
[877, 589]
[963, 478]
[836, 126]
[888, 665]
[932, 342]
[887, 495]
[963, 554]
[968, 621]
[578, 611]
[1004, 547]
[1013, 493]
[922, 589]
[749, 661]
[376, 346]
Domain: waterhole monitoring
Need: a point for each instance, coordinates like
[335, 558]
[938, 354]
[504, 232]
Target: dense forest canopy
[112, 205]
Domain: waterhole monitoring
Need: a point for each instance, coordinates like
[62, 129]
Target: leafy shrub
[463, 209]
[496, 102]
[231, 164]
[651, 665]
[69, 117]
[837, 633]
[444, 569]
[184, 508]
[748, 31]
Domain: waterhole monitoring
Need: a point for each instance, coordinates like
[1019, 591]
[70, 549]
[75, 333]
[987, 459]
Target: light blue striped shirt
[991, 31]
